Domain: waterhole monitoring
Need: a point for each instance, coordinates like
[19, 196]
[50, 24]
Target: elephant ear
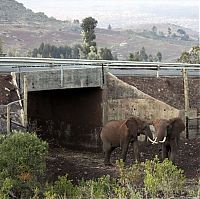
[169, 129]
[177, 126]
[132, 124]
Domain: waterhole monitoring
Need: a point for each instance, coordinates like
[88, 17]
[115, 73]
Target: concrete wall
[171, 91]
[125, 100]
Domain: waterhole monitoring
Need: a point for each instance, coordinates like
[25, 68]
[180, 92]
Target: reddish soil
[89, 165]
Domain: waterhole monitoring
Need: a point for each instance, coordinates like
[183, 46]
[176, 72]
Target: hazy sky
[111, 11]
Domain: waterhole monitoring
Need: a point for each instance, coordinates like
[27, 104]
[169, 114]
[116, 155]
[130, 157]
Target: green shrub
[22, 164]
[159, 178]
[93, 189]
[100, 188]
[131, 175]
[129, 182]
[163, 177]
[62, 187]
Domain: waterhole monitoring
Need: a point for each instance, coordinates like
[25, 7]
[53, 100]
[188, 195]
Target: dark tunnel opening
[70, 118]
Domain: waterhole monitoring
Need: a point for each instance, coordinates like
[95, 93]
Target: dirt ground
[89, 165]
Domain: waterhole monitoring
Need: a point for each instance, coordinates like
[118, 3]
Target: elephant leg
[124, 150]
[107, 157]
[164, 151]
[174, 149]
[107, 148]
[136, 150]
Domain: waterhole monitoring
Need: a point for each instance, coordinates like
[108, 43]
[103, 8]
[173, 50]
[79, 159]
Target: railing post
[102, 69]
[8, 120]
[25, 122]
[157, 72]
[61, 76]
[187, 127]
[186, 99]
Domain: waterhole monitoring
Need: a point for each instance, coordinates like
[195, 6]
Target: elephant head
[137, 126]
[167, 129]
[168, 132]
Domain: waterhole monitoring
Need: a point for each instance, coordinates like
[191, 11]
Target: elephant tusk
[152, 141]
[163, 140]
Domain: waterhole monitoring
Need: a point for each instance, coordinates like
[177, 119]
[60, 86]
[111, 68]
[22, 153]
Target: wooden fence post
[186, 98]
[25, 102]
[8, 120]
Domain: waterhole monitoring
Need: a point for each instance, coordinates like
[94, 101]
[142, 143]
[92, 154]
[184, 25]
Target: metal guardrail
[21, 64]
[111, 63]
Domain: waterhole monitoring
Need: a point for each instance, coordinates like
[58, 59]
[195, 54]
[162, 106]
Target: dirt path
[88, 165]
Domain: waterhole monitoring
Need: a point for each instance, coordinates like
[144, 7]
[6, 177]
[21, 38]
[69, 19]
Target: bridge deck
[61, 78]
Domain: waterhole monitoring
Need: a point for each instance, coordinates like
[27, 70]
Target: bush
[163, 177]
[141, 180]
[22, 164]
[62, 187]
[130, 181]
[96, 189]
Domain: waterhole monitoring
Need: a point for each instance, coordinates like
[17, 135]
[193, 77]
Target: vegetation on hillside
[87, 50]
[23, 30]
[141, 55]
[155, 33]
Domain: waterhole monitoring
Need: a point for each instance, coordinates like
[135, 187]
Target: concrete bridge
[69, 100]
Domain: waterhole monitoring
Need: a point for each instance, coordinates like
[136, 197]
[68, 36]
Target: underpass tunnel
[67, 117]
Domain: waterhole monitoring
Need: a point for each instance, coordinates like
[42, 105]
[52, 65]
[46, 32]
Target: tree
[154, 30]
[185, 37]
[88, 34]
[192, 56]
[181, 31]
[143, 55]
[150, 58]
[41, 48]
[35, 52]
[134, 56]
[76, 21]
[159, 56]
[169, 32]
[109, 27]
[76, 51]
[105, 54]
[92, 54]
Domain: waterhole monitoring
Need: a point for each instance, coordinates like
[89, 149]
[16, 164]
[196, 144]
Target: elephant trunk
[162, 136]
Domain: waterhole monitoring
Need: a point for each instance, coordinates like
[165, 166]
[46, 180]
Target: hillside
[21, 30]
[12, 12]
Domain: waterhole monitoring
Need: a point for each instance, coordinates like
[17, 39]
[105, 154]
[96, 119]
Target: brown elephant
[119, 133]
[167, 132]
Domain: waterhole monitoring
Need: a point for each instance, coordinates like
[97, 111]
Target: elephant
[167, 132]
[119, 133]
